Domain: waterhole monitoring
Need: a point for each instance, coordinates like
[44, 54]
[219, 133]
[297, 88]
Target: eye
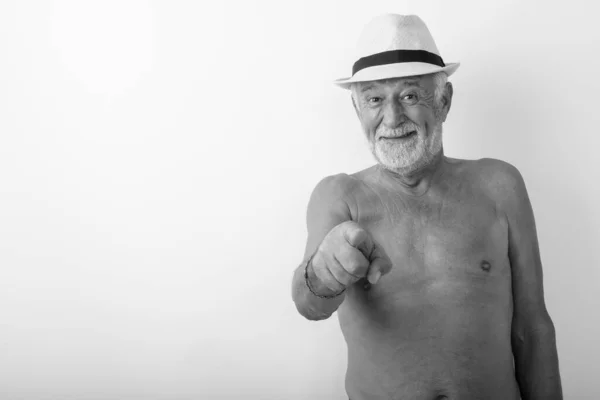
[410, 98]
[374, 100]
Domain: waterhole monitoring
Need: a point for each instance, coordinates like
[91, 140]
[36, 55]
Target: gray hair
[439, 79]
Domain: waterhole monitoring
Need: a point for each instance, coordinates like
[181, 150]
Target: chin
[397, 158]
[403, 162]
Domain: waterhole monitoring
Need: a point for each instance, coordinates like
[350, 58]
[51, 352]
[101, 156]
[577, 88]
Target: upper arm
[512, 199]
[328, 207]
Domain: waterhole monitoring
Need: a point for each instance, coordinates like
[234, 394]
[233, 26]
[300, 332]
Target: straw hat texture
[395, 46]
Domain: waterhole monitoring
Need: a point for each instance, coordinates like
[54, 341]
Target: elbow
[542, 326]
[532, 330]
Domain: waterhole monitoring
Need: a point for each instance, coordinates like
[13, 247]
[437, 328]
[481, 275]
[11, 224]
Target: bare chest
[458, 241]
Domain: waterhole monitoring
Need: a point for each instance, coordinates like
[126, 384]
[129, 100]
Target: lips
[406, 135]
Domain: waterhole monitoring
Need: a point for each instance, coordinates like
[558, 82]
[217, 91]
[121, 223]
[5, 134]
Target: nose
[393, 114]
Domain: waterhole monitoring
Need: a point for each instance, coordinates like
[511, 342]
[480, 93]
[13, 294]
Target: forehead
[423, 81]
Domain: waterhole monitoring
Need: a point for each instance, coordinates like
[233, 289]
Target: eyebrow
[366, 87]
[413, 82]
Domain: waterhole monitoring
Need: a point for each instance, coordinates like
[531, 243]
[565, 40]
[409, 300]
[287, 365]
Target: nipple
[486, 266]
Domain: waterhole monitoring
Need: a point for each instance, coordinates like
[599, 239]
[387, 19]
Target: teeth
[401, 136]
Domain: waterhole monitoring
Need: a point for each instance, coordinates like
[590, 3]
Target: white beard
[407, 157]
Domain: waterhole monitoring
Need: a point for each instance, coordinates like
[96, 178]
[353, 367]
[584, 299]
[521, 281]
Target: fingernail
[376, 277]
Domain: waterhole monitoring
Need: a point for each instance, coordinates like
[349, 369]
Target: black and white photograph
[312, 200]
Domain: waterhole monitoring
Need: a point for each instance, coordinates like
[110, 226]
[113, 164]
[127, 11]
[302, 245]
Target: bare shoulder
[335, 187]
[334, 194]
[330, 204]
[502, 180]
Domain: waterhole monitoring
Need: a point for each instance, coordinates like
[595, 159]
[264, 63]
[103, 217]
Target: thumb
[380, 265]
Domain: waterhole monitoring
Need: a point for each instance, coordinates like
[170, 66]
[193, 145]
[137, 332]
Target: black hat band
[397, 56]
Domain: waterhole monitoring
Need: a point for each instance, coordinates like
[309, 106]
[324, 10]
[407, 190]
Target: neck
[416, 182]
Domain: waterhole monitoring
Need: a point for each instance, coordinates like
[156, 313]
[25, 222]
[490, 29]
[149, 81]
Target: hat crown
[395, 32]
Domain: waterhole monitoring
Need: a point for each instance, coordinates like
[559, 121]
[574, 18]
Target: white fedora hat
[395, 46]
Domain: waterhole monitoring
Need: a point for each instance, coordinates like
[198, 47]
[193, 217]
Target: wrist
[315, 286]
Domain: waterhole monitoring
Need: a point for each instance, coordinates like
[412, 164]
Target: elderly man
[431, 262]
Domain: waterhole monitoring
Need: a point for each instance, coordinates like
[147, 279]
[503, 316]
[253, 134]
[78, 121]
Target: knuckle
[355, 265]
[328, 246]
[349, 228]
[321, 263]
[344, 280]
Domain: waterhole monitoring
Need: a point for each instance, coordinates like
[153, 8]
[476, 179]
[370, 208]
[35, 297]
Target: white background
[156, 160]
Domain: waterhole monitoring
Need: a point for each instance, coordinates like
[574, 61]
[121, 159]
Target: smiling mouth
[407, 135]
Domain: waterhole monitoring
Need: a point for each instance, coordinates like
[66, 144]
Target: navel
[486, 266]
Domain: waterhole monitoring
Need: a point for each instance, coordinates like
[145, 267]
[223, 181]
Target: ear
[447, 100]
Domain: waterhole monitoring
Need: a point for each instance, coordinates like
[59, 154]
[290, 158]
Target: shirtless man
[432, 263]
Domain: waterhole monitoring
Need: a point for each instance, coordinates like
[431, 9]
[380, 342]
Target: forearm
[310, 306]
[536, 364]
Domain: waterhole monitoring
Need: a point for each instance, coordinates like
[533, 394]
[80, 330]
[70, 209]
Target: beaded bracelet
[309, 286]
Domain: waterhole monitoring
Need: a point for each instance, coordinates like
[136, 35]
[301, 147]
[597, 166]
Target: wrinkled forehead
[421, 81]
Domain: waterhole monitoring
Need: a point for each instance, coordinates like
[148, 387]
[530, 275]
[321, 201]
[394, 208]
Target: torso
[439, 324]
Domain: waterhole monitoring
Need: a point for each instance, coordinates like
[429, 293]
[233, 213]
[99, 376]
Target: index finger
[360, 239]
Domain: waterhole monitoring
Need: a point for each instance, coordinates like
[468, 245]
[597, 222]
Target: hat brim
[397, 70]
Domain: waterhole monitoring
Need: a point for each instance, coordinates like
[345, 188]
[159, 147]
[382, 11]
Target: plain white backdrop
[156, 160]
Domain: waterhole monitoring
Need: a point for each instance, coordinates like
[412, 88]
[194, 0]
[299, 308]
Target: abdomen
[445, 339]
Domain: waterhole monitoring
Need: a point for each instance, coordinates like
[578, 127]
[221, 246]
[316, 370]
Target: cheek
[424, 117]
[369, 124]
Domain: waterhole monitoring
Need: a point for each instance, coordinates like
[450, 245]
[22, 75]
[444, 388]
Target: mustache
[403, 129]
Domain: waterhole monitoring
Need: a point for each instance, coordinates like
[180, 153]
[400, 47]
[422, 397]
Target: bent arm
[533, 334]
[327, 208]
